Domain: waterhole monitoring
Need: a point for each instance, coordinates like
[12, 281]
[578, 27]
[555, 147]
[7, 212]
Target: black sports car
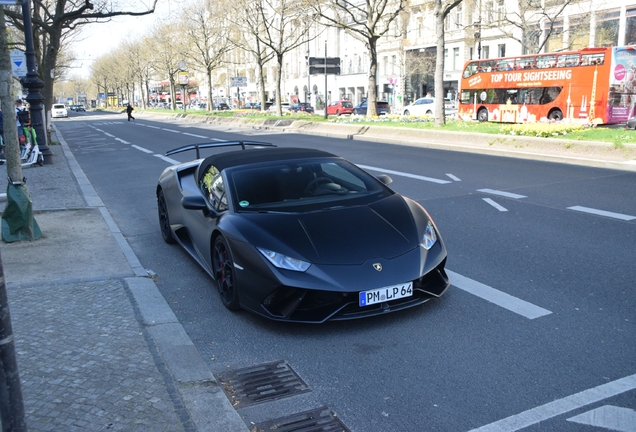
[300, 235]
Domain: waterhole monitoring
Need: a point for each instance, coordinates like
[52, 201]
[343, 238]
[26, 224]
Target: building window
[630, 27]
[385, 65]
[393, 62]
[456, 59]
[470, 53]
[578, 32]
[446, 59]
[501, 50]
[485, 52]
[420, 26]
[458, 16]
[554, 36]
[607, 29]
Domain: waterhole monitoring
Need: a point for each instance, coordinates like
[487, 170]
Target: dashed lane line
[495, 205]
[608, 417]
[502, 193]
[497, 297]
[452, 177]
[145, 150]
[602, 213]
[561, 406]
[167, 159]
[403, 174]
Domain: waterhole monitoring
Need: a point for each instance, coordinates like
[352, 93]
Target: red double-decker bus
[591, 84]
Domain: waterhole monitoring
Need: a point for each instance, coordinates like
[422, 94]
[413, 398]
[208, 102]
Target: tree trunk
[210, 104]
[372, 105]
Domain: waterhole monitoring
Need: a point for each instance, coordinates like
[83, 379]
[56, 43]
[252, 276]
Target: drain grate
[318, 420]
[261, 383]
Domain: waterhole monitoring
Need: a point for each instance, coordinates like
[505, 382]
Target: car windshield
[347, 105]
[302, 186]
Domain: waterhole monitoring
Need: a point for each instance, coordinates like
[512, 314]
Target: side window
[213, 189]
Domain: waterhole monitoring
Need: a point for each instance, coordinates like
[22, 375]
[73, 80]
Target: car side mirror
[384, 179]
[194, 202]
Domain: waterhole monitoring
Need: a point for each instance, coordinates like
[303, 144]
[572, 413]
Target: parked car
[383, 108]
[179, 105]
[426, 106]
[58, 110]
[298, 234]
[340, 107]
[257, 106]
[285, 106]
[302, 106]
[221, 106]
[79, 108]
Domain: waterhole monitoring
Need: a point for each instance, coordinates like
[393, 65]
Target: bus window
[568, 60]
[471, 69]
[546, 61]
[487, 65]
[524, 62]
[543, 95]
[592, 59]
[504, 65]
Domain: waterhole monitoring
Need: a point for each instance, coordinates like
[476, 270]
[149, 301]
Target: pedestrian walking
[129, 110]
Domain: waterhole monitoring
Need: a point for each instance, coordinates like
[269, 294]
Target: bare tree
[52, 19]
[246, 37]
[366, 21]
[206, 33]
[282, 27]
[442, 9]
[169, 51]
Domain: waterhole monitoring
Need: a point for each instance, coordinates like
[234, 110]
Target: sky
[99, 39]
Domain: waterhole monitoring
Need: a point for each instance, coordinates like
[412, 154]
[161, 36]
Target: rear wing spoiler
[218, 144]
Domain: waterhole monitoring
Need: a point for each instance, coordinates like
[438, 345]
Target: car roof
[257, 155]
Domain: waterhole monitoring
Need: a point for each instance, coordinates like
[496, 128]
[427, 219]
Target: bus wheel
[555, 115]
[482, 115]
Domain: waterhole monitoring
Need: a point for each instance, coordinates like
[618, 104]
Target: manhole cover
[318, 420]
[261, 383]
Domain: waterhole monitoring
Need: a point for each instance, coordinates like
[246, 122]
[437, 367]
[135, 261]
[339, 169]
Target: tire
[556, 115]
[338, 113]
[429, 112]
[40, 160]
[223, 268]
[356, 112]
[482, 115]
[164, 219]
[406, 112]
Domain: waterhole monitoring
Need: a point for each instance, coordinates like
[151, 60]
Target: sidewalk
[98, 347]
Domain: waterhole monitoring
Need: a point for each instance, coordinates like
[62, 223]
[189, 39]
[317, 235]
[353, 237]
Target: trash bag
[17, 219]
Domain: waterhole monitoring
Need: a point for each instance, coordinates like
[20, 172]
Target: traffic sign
[238, 81]
[317, 70]
[316, 61]
[18, 63]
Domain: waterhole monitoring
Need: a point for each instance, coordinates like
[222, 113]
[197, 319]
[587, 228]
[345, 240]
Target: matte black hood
[345, 236]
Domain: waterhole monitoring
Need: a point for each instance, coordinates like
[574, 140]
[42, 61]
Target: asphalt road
[543, 264]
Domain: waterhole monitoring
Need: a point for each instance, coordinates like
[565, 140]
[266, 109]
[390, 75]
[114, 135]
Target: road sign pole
[325, 101]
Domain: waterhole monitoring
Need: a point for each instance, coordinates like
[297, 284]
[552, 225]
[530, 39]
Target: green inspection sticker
[244, 203]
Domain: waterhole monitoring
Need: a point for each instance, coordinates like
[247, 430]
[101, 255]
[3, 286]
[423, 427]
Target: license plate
[386, 294]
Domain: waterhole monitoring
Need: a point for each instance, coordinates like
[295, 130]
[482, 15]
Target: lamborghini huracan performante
[300, 235]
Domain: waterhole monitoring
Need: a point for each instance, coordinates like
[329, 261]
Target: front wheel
[164, 219]
[556, 115]
[482, 115]
[406, 112]
[223, 267]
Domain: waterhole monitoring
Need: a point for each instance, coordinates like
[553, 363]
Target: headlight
[283, 261]
[429, 238]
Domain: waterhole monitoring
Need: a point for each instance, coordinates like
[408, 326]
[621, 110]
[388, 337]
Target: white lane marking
[501, 193]
[167, 159]
[560, 406]
[217, 139]
[398, 173]
[452, 177]
[170, 130]
[608, 417]
[194, 135]
[603, 213]
[121, 141]
[497, 297]
[153, 127]
[495, 205]
[145, 150]
[109, 135]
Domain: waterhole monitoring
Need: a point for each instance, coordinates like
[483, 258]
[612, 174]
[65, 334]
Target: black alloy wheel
[223, 268]
[164, 219]
[482, 115]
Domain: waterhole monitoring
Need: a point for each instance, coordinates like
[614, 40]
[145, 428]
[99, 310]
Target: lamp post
[33, 86]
